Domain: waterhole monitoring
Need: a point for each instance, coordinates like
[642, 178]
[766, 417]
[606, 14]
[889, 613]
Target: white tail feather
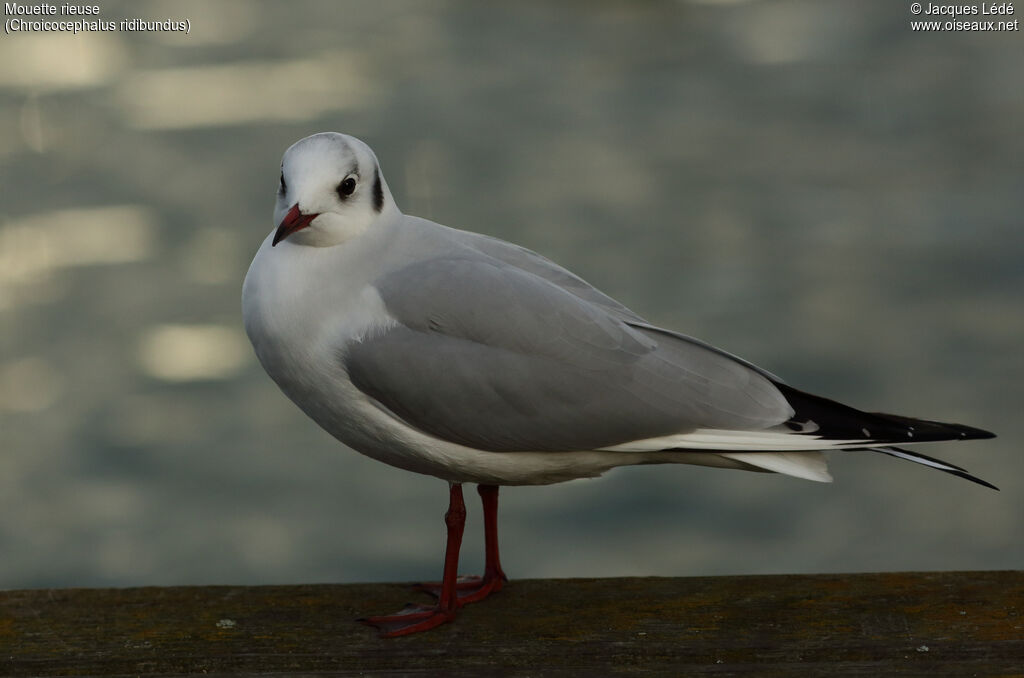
[739, 441]
[806, 465]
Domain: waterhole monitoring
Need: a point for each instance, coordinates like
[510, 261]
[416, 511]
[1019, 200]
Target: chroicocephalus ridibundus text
[474, 360]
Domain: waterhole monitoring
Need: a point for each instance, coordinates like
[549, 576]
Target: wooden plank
[939, 624]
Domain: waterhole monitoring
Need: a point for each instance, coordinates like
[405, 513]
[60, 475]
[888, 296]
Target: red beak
[293, 221]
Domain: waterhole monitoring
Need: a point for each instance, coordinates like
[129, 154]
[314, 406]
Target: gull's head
[331, 190]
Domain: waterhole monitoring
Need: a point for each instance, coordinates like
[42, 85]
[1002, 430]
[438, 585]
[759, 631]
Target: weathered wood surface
[937, 624]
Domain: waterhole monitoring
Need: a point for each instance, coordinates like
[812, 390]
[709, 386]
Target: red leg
[415, 618]
[474, 589]
[493, 578]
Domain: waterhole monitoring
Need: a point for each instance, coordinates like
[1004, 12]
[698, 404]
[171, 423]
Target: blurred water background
[810, 185]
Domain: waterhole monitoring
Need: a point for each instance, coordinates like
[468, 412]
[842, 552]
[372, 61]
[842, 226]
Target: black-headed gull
[474, 360]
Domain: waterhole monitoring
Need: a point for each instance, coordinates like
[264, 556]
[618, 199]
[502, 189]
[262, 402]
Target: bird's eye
[284, 186]
[346, 187]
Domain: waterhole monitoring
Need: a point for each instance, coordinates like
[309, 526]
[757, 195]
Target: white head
[331, 190]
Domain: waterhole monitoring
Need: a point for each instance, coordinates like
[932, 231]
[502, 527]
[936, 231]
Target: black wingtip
[932, 462]
[836, 421]
[934, 429]
[974, 479]
[971, 433]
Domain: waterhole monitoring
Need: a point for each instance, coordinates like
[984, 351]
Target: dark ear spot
[378, 191]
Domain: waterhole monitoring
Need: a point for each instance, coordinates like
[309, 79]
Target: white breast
[302, 306]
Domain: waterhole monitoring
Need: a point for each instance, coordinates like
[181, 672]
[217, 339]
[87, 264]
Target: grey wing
[528, 260]
[531, 262]
[490, 355]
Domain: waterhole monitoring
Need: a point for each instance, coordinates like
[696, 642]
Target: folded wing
[541, 368]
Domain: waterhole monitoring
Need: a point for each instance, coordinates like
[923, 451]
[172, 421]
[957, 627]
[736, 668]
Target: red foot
[469, 588]
[452, 591]
[412, 619]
